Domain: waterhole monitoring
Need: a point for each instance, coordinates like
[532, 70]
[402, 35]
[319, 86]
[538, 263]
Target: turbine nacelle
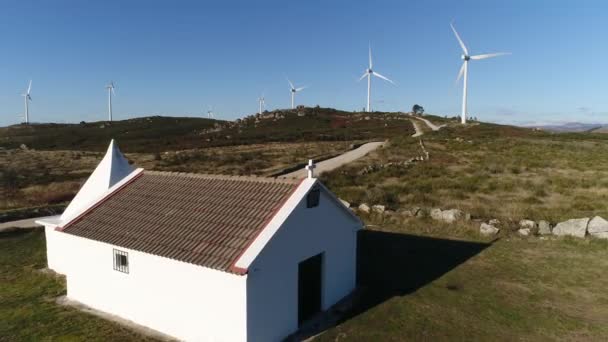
[465, 57]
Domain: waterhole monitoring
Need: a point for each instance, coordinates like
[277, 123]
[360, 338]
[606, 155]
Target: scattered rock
[597, 225]
[363, 207]
[544, 228]
[452, 215]
[524, 231]
[23, 147]
[378, 208]
[494, 222]
[573, 227]
[346, 204]
[436, 214]
[527, 224]
[420, 213]
[488, 229]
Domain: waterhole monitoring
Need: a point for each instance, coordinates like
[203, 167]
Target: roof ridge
[253, 178]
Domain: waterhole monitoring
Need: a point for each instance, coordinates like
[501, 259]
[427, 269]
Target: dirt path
[428, 123]
[26, 223]
[333, 163]
[419, 131]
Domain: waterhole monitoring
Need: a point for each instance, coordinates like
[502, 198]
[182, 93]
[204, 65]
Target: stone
[527, 224]
[420, 213]
[452, 215]
[436, 214]
[363, 207]
[597, 225]
[378, 208]
[572, 227]
[23, 147]
[488, 229]
[524, 231]
[544, 227]
[494, 222]
[346, 204]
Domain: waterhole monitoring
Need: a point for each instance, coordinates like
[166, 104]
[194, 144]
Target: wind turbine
[293, 91]
[369, 73]
[27, 98]
[210, 113]
[464, 70]
[111, 92]
[262, 103]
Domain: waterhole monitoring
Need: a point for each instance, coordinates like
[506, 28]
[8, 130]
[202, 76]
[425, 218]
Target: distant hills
[574, 127]
[157, 133]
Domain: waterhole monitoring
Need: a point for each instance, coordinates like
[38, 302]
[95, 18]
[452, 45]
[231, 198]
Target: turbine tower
[27, 98]
[111, 92]
[464, 70]
[262, 103]
[369, 73]
[293, 91]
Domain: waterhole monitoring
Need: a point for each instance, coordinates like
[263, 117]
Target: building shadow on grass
[393, 264]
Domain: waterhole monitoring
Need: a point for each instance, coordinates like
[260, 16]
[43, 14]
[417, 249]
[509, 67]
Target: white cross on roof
[311, 167]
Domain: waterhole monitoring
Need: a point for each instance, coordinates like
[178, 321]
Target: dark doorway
[309, 287]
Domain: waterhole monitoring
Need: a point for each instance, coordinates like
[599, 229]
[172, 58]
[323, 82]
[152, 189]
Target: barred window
[312, 199]
[121, 261]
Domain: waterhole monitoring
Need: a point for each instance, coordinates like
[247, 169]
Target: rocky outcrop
[544, 227]
[448, 216]
[364, 208]
[379, 209]
[488, 229]
[572, 227]
[524, 231]
[527, 224]
[598, 227]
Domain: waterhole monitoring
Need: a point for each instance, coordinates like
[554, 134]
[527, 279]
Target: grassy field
[489, 170]
[447, 285]
[28, 311]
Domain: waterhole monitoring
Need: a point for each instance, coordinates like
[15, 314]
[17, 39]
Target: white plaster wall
[272, 283]
[179, 299]
[55, 246]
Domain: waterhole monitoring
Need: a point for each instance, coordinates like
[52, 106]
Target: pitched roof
[206, 220]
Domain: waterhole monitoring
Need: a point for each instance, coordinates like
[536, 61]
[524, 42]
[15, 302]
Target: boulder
[488, 229]
[449, 216]
[524, 231]
[527, 224]
[436, 214]
[544, 228]
[452, 215]
[494, 222]
[572, 227]
[597, 225]
[378, 208]
[346, 204]
[364, 208]
[420, 213]
[601, 235]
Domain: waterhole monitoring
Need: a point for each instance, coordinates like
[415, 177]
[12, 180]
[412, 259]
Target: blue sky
[178, 57]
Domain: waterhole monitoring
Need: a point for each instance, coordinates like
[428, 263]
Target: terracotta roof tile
[207, 220]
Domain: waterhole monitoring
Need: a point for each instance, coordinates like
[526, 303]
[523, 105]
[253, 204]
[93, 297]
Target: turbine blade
[362, 77]
[461, 72]
[370, 55]
[301, 88]
[29, 87]
[489, 55]
[290, 84]
[382, 77]
[464, 48]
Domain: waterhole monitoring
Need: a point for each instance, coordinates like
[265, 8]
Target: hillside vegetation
[158, 134]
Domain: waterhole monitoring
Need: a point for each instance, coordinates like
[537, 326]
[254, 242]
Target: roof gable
[112, 169]
[201, 219]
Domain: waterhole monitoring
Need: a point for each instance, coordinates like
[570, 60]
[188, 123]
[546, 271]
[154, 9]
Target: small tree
[417, 109]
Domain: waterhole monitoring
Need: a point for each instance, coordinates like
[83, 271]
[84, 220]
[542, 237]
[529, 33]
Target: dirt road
[333, 163]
